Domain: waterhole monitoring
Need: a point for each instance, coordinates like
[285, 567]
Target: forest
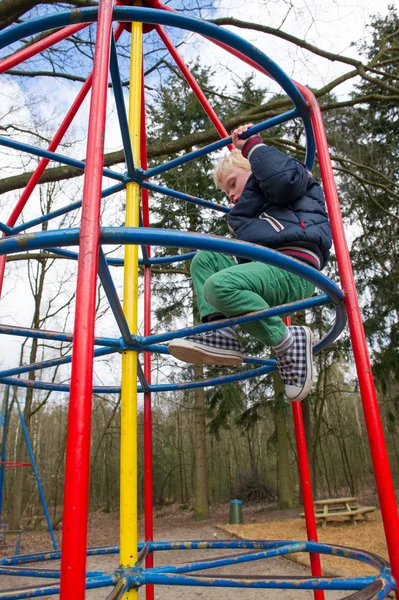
[235, 440]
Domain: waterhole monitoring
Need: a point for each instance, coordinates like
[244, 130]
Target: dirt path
[183, 529]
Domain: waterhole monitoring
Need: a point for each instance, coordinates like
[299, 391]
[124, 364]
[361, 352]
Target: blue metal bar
[284, 310]
[361, 555]
[119, 262]
[167, 260]
[39, 485]
[112, 295]
[128, 14]
[65, 160]
[145, 388]
[54, 335]
[154, 16]
[54, 387]
[3, 444]
[146, 236]
[167, 387]
[40, 572]
[29, 572]
[52, 589]
[217, 145]
[62, 211]
[44, 218]
[388, 584]
[181, 196]
[120, 107]
[51, 363]
[374, 560]
[24, 559]
[248, 360]
[316, 583]
[5, 229]
[237, 559]
[146, 258]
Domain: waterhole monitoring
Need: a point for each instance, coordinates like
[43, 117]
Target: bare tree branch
[289, 38]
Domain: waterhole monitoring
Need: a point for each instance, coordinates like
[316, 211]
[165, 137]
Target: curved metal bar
[146, 15]
[119, 262]
[159, 237]
[283, 310]
[153, 16]
[236, 559]
[369, 588]
[316, 583]
[167, 387]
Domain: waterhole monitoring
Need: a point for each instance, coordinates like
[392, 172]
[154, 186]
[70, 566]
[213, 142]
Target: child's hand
[242, 129]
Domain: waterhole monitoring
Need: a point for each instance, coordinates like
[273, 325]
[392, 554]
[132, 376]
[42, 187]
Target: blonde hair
[227, 163]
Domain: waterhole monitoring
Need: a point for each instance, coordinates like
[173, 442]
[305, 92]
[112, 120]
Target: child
[275, 202]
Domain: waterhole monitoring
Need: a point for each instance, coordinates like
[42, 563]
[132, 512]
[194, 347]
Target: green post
[235, 512]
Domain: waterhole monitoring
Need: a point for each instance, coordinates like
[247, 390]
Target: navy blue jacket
[282, 206]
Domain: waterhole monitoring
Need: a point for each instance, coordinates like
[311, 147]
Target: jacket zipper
[277, 226]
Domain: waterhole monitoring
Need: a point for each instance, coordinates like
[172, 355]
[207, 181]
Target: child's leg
[203, 265]
[256, 286]
[213, 347]
[252, 287]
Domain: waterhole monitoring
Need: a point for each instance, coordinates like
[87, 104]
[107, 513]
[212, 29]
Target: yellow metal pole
[128, 493]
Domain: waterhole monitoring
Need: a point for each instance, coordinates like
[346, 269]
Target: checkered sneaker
[296, 364]
[220, 347]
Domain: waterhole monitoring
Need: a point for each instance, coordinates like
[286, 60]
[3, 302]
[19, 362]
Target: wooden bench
[329, 508]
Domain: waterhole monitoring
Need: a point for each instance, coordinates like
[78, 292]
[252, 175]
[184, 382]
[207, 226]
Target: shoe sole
[197, 354]
[307, 386]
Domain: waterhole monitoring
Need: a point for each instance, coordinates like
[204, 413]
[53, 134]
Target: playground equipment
[92, 260]
[3, 464]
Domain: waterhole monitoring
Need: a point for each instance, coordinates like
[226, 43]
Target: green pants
[221, 285]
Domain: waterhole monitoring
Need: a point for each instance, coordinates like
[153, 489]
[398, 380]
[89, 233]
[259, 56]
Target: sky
[334, 25]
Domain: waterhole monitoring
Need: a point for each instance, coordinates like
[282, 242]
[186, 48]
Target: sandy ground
[367, 534]
[103, 529]
[177, 525]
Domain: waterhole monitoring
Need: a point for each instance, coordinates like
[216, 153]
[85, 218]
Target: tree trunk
[201, 501]
[201, 508]
[285, 499]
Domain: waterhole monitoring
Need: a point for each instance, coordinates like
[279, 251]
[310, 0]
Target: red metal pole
[193, 84]
[306, 486]
[148, 474]
[76, 491]
[307, 495]
[382, 471]
[12, 61]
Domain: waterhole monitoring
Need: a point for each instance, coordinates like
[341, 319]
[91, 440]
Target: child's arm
[281, 178]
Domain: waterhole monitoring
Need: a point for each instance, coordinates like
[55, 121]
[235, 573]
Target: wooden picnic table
[327, 509]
